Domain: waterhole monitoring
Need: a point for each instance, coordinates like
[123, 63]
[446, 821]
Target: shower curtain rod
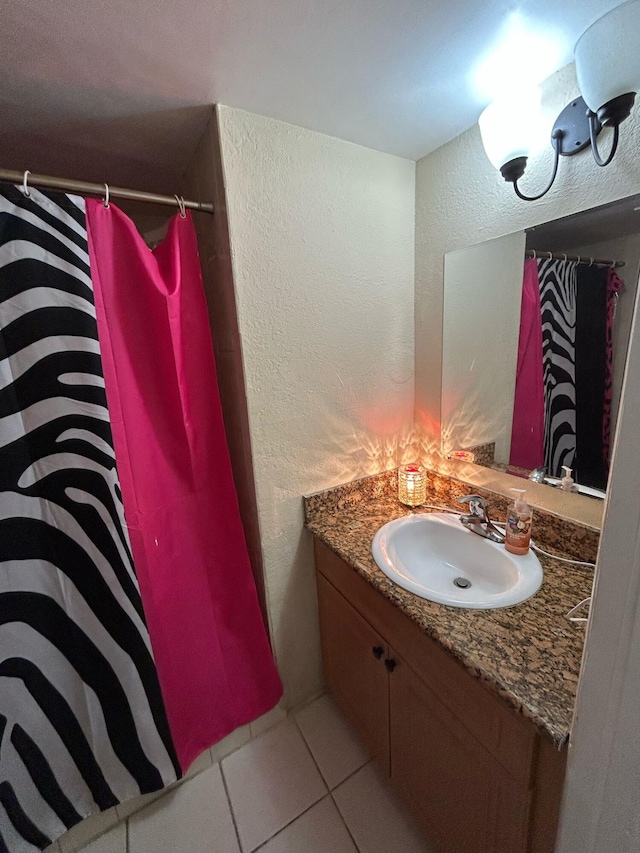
[554, 256]
[86, 188]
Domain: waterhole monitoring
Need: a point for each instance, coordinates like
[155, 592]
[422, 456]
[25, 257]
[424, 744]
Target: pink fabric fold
[527, 433]
[212, 653]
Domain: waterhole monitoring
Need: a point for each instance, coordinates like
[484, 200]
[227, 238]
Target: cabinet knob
[390, 664]
[378, 651]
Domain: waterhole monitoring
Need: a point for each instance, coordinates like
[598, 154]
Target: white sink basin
[433, 555]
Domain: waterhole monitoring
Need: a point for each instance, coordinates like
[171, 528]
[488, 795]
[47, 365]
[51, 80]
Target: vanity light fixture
[608, 71]
[412, 485]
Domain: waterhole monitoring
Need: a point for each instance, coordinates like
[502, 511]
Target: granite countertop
[529, 654]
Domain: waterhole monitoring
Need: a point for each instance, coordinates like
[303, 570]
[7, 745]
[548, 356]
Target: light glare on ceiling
[523, 55]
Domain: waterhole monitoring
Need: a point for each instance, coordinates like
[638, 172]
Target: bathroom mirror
[528, 406]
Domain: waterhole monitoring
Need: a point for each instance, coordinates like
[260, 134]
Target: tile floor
[304, 786]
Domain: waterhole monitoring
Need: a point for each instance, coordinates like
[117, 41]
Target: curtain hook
[105, 200]
[590, 262]
[564, 257]
[550, 256]
[613, 265]
[535, 256]
[25, 188]
[579, 259]
[181, 205]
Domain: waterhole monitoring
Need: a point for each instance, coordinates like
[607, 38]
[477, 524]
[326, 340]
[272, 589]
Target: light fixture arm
[556, 138]
[607, 66]
[593, 131]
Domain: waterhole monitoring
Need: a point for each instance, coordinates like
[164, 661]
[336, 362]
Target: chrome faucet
[478, 518]
[539, 475]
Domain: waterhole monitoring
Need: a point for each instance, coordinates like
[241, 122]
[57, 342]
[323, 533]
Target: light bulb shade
[510, 126]
[607, 57]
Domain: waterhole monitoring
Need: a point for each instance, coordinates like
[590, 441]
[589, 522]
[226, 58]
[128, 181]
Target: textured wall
[322, 239]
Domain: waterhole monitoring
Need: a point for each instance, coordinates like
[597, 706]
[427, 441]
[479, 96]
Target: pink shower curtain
[527, 434]
[213, 657]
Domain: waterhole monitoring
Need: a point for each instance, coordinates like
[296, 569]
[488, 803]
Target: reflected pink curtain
[527, 434]
[212, 653]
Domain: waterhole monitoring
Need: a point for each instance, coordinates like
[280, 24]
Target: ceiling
[120, 90]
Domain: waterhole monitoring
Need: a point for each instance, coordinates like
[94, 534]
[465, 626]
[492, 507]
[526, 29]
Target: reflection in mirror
[535, 332]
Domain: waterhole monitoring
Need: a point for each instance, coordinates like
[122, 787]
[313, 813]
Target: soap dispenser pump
[518, 529]
[567, 483]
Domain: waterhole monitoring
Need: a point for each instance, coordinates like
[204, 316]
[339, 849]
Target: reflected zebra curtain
[558, 282]
[568, 378]
[91, 709]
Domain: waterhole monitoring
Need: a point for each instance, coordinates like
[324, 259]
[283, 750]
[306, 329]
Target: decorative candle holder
[412, 485]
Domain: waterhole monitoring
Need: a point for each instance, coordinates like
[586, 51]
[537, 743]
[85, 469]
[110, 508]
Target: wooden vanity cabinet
[353, 654]
[478, 777]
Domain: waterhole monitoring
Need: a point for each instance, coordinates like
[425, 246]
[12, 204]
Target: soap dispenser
[518, 529]
[567, 483]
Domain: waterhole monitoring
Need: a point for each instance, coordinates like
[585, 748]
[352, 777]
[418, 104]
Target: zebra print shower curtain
[83, 724]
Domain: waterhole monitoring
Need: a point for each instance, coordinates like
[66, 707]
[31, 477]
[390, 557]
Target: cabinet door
[353, 657]
[465, 800]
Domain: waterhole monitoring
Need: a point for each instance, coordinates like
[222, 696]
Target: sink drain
[462, 583]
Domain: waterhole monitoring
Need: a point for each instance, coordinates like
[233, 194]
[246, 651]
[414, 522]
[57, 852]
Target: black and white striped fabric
[82, 723]
[558, 305]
